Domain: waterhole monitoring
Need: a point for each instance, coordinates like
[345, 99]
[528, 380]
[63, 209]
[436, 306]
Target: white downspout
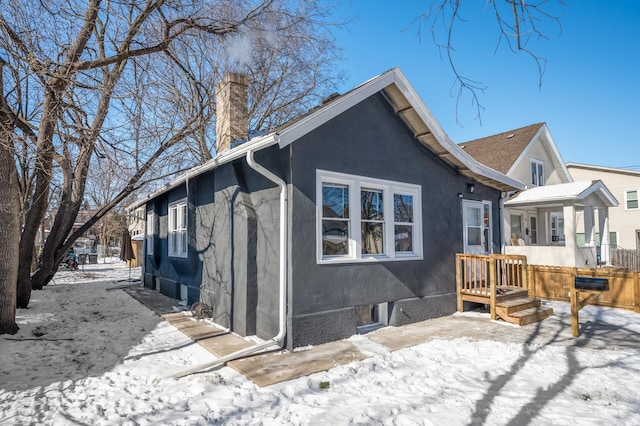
[278, 339]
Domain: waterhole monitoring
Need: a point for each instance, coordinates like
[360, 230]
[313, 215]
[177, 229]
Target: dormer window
[537, 173]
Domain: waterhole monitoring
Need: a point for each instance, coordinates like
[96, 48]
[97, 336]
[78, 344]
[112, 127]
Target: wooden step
[510, 293]
[529, 316]
[508, 307]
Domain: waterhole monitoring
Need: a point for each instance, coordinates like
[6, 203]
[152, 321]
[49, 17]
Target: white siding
[624, 222]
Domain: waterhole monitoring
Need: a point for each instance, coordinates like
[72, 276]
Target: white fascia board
[444, 140]
[554, 148]
[573, 191]
[525, 152]
[333, 109]
[603, 193]
[550, 145]
[377, 84]
[220, 159]
[634, 173]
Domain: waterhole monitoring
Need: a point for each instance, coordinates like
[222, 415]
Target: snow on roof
[572, 191]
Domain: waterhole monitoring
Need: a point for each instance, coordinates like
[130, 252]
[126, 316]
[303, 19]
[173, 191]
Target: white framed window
[360, 219]
[515, 221]
[631, 199]
[178, 228]
[533, 230]
[537, 173]
[557, 228]
[150, 228]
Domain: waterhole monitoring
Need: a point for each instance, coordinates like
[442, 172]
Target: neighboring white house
[624, 220]
[541, 221]
[136, 221]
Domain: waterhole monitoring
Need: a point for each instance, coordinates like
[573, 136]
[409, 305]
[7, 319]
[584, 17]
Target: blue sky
[590, 94]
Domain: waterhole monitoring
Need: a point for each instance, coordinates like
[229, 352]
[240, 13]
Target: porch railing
[478, 277]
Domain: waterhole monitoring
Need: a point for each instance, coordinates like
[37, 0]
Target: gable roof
[503, 151]
[572, 191]
[407, 105]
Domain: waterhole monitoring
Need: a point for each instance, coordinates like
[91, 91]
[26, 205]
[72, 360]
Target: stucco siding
[370, 141]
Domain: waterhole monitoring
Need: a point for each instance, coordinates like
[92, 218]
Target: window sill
[372, 259]
[178, 256]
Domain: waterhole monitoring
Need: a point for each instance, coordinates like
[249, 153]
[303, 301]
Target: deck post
[525, 275]
[636, 290]
[459, 282]
[492, 286]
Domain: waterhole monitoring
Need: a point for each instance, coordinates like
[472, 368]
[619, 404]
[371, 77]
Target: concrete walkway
[278, 366]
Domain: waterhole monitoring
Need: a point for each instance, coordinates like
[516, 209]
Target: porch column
[569, 216]
[605, 244]
[589, 237]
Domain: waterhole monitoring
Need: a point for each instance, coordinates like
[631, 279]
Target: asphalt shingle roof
[502, 150]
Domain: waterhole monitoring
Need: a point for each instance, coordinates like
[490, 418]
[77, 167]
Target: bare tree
[117, 81]
[9, 219]
[518, 23]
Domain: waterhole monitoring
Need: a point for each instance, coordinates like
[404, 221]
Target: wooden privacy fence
[555, 282]
[624, 258]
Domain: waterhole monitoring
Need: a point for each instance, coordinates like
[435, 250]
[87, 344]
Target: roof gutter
[278, 339]
[220, 159]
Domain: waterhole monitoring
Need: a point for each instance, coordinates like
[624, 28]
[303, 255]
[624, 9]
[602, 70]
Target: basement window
[362, 219]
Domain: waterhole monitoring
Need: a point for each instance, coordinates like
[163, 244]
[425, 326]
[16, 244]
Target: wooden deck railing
[478, 277]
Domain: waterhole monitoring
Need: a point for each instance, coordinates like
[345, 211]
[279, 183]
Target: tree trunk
[9, 233]
[40, 197]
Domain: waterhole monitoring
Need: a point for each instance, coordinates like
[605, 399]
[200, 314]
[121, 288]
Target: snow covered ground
[88, 355]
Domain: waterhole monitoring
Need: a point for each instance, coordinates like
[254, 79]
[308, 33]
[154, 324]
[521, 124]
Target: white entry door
[476, 216]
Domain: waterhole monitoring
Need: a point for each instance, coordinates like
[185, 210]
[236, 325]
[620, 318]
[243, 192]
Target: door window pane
[473, 216]
[474, 236]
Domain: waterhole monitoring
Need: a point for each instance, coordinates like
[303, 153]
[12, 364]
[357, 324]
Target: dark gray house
[337, 222]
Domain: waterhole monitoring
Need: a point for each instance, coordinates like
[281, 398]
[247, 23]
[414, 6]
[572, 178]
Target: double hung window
[631, 199]
[178, 228]
[537, 173]
[150, 231]
[386, 227]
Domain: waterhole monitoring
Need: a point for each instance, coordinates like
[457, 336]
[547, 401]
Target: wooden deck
[501, 282]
